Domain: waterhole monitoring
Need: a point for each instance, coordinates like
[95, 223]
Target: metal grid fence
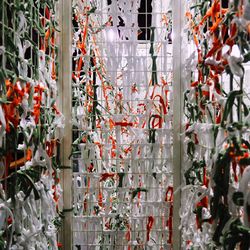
[216, 123]
[122, 125]
[30, 124]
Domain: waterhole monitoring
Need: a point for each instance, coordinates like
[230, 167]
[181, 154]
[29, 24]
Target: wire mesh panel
[122, 124]
[30, 122]
[215, 199]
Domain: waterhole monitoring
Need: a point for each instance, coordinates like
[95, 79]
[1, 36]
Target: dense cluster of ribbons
[122, 149]
[30, 125]
[215, 204]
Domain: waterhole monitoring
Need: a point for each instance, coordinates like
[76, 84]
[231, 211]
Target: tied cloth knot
[149, 225]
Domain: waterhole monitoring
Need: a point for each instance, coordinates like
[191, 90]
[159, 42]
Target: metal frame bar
[177, 117]
[65, 9]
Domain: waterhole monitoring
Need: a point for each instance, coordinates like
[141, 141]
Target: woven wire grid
[28, 60]
[38, 22]
[122, 125]
[229, 82]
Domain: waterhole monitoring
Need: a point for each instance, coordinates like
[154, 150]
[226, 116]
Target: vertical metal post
[177, 117]
[65, 9]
